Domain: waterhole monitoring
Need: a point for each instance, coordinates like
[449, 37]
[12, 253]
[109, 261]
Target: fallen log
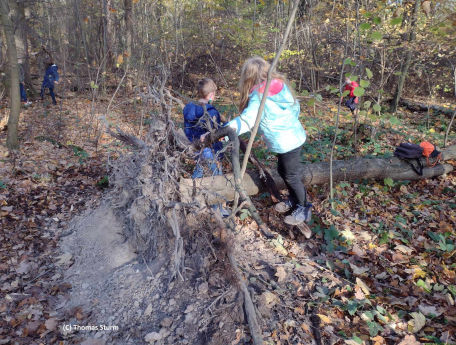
[417, 106]
[220, 188]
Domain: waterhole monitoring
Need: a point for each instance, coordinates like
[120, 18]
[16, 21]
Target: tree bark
[128, 6]
[15, 103]
[221, 187]
[108, 34]
[408, 57]
[21, 39]
[416, 106]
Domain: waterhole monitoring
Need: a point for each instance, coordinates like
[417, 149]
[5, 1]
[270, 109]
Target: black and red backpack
[413, 152]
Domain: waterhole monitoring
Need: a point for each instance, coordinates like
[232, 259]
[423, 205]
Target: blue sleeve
[189, 112]
[245, 122]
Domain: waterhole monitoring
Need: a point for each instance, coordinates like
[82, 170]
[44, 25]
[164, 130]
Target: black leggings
[289, 168]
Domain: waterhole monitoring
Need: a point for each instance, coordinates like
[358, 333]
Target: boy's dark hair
[205, 86]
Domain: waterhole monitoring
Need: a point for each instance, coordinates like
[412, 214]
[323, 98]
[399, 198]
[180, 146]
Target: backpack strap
[418, 169]
[437, 160]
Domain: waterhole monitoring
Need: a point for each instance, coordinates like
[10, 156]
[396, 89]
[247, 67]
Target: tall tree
[108, 33]
[128, 6]
[408, 57]
[15, 103]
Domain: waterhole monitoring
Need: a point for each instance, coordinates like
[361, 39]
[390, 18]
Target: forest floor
[379, 269]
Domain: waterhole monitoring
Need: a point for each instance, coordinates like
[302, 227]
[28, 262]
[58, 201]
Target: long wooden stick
[448, 129]
[266, 90]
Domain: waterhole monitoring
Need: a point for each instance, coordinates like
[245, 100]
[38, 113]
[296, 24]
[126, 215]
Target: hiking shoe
[300, 215]
[283, 206]
[223, 211]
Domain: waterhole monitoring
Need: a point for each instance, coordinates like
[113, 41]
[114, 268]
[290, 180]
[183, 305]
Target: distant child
[281, 129]
[51, 77]
[196, 124]
[352, 101]
[24, 99]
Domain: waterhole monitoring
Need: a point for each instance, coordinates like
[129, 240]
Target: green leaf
[365, 26]
[425, 286]
[359, 91]
[364, 83]
[388, 182]
[334, 90]
[357, 340]
[311, 102]
[452, 289]
[434, 236]
[345, 93]
[381, 310]
[347, 61]
[396, 21]
[367, 104]
[244, 214]
[369, 73]
[374, 328]
[394, 121]
[368, 316]
[93, 85]
[377, 107]
[377, 36]
[352, 307]
[377, 20]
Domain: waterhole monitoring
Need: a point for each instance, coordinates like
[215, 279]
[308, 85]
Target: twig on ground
[249, 307]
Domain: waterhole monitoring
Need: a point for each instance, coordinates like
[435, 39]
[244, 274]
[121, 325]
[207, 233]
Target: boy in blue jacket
[51, 77]
[196, 124]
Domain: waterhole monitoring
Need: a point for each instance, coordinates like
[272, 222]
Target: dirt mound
[132, 302]
[146, 269]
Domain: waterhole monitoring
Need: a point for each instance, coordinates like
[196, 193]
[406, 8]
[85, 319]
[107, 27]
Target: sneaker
[283, 206]
[300, 215]
[223, 211]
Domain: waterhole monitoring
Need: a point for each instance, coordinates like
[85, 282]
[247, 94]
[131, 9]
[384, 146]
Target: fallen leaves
[417, 323]
[409, 340]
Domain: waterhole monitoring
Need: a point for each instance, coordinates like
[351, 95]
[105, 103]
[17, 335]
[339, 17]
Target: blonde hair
[205, 87]
[254, 72]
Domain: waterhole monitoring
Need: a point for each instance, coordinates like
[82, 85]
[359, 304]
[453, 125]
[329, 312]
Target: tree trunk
[221, 187]
[128, 27]
[15, 103]
[128, 5]
[107, 34]
[21, 39]
[408, 57]
[416, 106]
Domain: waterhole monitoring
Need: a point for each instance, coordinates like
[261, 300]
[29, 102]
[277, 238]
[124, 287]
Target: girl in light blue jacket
[281, 129]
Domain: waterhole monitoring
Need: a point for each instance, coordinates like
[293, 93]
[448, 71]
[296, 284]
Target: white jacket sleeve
[245, 122]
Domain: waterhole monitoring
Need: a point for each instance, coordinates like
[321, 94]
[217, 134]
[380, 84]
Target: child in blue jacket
[51, 77]
[195, 125]
[281, 129]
